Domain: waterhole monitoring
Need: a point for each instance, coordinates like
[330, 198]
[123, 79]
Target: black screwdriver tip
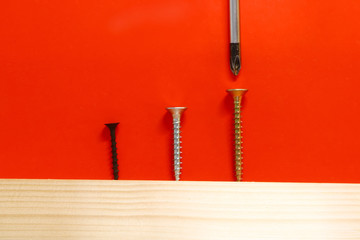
[235, 61]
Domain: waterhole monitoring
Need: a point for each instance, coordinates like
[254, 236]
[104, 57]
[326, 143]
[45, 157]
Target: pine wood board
[146, 210]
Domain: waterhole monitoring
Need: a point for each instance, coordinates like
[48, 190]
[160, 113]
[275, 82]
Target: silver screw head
[176, 111]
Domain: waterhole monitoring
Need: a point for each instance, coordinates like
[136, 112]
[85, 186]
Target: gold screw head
[237, 92]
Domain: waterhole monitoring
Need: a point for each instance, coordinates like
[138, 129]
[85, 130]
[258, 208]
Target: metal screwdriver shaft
[112, 127]
[237, 95]
[176, 114]
[235, 60]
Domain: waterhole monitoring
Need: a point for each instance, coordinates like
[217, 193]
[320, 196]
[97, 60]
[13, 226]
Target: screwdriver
[235, 60]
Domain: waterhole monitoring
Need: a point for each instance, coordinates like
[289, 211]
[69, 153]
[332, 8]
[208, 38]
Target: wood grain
[81, 209]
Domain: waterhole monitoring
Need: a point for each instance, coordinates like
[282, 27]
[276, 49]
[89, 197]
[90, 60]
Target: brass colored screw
[237, 95]
[176, 114]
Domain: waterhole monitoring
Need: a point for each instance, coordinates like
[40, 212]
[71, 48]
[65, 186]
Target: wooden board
[146, 210]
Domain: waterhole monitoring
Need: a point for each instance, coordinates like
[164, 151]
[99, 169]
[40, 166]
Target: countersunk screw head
[111, 125]
[238, 92]
[176, 111]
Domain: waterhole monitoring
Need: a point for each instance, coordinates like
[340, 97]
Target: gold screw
[237, 95]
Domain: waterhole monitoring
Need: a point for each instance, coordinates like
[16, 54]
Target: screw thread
[114, 156]
[112, 127]
[177, 148]
[238, 138]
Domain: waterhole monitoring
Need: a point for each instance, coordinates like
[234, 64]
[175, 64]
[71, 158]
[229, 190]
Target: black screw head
[111, 125]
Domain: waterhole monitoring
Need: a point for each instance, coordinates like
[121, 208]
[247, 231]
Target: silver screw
[176, 114]
[237, 95]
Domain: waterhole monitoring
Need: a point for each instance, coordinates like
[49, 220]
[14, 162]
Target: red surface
[67, 67]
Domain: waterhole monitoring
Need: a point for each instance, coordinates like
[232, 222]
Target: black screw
[112, 127]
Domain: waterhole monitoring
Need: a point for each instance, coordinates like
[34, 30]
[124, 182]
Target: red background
[67, 67]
